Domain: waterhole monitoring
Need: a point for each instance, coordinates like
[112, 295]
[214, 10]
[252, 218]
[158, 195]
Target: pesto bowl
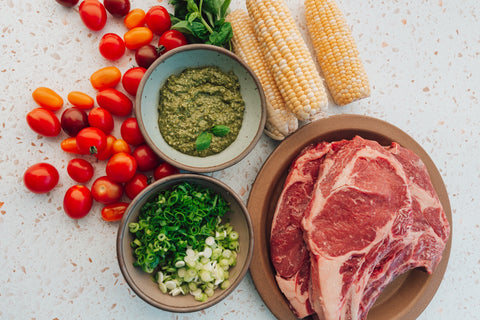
[142, 283]
[200, 55]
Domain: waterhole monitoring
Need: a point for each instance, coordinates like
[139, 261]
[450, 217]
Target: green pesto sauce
[196, 100]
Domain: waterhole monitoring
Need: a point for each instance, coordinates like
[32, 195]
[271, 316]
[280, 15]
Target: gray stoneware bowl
[198, 55]
[142, 283]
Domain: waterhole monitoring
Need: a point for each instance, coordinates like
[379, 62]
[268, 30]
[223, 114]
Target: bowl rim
[213, 48]
[123, 230]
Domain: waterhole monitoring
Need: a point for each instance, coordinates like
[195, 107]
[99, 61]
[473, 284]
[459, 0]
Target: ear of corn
[288, 57]
[336, 51]
[280, 121]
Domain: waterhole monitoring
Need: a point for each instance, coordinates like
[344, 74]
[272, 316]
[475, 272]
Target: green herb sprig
[203, 21]
[205, 138]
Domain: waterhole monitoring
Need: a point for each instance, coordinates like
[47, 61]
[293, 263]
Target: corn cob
[280, 121]
[336, 51]
[288, 58]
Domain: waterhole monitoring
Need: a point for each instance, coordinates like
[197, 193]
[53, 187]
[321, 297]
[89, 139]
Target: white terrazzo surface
[423, 61]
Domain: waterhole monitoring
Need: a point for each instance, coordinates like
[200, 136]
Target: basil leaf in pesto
[220, 130]
[203, 140]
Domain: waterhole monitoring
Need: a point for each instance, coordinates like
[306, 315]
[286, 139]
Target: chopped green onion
[181, 239]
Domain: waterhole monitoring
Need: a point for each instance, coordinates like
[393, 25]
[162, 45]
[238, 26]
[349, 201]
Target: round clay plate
[409, 294]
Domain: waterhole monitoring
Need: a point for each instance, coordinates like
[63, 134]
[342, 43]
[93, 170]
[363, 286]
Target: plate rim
[310, 133]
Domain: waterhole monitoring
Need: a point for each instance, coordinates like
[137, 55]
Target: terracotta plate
[408, 295]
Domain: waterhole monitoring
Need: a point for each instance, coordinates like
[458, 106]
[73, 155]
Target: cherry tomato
[41, 177]
[158, 20]
[93, 14]
[146, 55]
[172, 39]
[47, 98]
[121, 145]
[80, 100]
[117, 8]
[68, 3]
[44, 122]
[165, 169]
[130, 132]
[116, 102]
[106, 191]
[121, 167]
[146, 158]
[131, 79]
[135, 18]
[77, 201]
[108, 151]
[102, 119]
[107, 77]
[73, 120]
[137, 37]
[114, 211]
[91, 140]
[70, 145]
[80, 170]
[111, 46]
[135, 185]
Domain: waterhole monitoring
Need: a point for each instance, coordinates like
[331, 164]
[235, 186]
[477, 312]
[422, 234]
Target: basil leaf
[203, 141]
[192, 6]
[199, 30]
[220, 130]
[222, 36]
[224, 9]
[183, 27]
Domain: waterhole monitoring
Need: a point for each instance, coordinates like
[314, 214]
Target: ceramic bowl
[198, 55]
[142, 283]
[403, 299]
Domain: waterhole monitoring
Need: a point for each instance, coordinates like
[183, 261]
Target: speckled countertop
[423, 61]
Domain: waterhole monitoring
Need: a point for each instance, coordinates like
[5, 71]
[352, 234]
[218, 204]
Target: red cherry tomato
[114, 211]
[108, 151]
[102, 119]
[106, 191]
[68, 3]
[158, 20]
[44, 122]
[165, 169]
[121, 167]
[91, 140]
[130, 132]
[146, 158]
[146, 55]
[41, 177]
[117, 8]
[172, 39]
[73, 120]
[111, 46]
[80, 170]
[135, 185]
[116, 102]
[93, 14]
[131, 79]
[77, 202]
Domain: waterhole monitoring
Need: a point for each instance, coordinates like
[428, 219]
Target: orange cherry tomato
[137, 37]
[107, 77]
[121, 145]
[108, 151]
[47, 98]
[135, 18]
[114, 212]
[80, 100]
[70, 145]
